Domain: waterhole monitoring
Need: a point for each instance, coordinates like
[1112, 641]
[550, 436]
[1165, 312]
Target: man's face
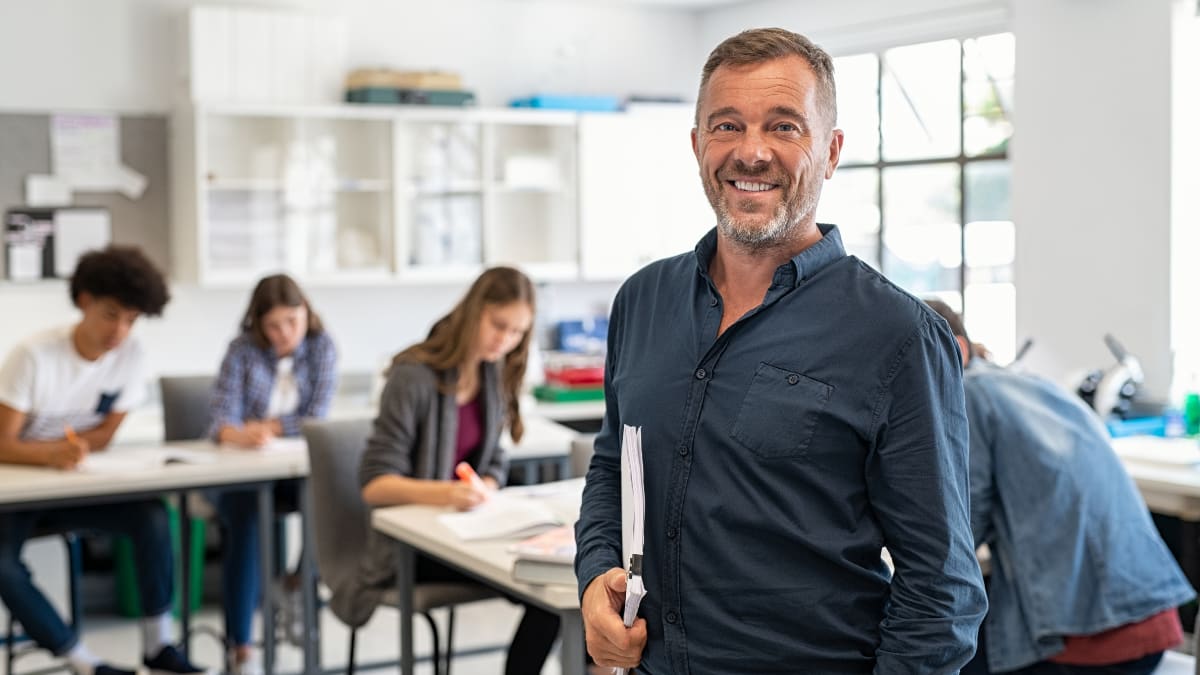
[764, 149]
[106, 323]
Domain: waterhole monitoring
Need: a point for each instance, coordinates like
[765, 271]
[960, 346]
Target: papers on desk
[280, 445]
[1178, 452]
[518, 512]
[129, 460]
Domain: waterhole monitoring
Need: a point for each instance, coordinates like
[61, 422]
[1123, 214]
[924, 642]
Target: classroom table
[133, 473]
[545, 443]
[1167, 474]
[417, 529]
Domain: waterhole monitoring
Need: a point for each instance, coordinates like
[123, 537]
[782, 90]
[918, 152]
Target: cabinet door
[640, 197]
[310, 195]
[530, 206]
[439, 216]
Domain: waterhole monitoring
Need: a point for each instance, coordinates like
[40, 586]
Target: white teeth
[752, 187]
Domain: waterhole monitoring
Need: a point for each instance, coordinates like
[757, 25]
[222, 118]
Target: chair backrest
[186, 401]
[341, 520]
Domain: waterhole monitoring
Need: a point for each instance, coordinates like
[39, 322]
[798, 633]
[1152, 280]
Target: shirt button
[793, 378]
[672, 617]
[713, 303]
[672, 533]
[700, 373]
[683, 451]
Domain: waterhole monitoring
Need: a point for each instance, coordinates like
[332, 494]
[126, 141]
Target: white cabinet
[350, 194]
[640, 196]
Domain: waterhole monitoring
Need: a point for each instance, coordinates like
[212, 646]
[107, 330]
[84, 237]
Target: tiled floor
[479, 625]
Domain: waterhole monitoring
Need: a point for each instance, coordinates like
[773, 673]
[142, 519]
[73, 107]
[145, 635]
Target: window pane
[850, 200]
[921, 235]
[921, 101]
[857, 80]
[988, 93]
[991, 318]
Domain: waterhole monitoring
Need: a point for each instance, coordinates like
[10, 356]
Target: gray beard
[777, 232]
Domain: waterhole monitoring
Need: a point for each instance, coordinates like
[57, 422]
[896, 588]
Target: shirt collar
[803, 265]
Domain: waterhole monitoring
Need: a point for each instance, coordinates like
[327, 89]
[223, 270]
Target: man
[1080, 578]
[63, 394]
[798, 413]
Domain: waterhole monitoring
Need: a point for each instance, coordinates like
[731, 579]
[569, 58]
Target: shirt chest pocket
[779, 414]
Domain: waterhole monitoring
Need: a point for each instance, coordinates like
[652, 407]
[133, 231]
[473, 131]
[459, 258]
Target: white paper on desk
[277, 446]
[129, 460]
[77, 231]
[500, 517]
[633, 513]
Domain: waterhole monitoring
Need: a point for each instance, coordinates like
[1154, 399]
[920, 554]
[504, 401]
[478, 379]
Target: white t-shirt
[285, 393]
[45, 378]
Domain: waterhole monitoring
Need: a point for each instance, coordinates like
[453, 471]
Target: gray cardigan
[415, 435]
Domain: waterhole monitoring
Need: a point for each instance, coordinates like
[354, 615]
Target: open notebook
[518, 512]
[125, 460]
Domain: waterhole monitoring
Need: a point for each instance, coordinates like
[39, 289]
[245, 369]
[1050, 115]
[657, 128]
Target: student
[446, 400]
[1081, 582]
[281, 370]
[63, 394]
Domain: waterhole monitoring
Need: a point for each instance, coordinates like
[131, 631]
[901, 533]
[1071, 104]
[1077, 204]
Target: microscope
[1110, 391]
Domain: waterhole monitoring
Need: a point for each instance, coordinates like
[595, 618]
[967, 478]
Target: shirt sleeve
[598, 530]
[17, 378]
[983, 483]
[228, 398]
[393, 441]
[917, 481]
[321, 385]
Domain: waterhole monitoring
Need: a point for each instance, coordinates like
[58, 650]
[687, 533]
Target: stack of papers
[282, 445]
[635, 514]
[546, 558]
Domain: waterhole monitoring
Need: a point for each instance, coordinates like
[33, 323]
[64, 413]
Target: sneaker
[289, 613]
[170, 661]
[105, 669]
[251, 666]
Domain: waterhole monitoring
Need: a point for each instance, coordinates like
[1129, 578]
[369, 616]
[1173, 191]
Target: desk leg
[266, 565]
[185, 566]
[308, 586]
[572, 653]
[405, 571]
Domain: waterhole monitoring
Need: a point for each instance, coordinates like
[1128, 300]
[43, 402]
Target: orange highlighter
[70, 434]
[467, 475]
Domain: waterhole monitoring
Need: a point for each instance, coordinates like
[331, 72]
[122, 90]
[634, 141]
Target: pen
[467, 475]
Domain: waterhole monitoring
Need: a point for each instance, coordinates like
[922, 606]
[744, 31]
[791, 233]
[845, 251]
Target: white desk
[29, 488]
[489, 562]
[544, 442]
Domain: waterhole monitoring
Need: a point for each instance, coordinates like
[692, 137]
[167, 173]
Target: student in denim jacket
[280, 371]
[1081, 581]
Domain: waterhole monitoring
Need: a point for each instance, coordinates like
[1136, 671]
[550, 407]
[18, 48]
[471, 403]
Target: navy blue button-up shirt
[780, 458]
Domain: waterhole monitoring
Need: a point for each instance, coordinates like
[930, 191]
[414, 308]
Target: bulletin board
[25, 149]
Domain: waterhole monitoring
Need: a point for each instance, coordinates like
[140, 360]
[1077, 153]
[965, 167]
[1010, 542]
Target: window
[922, 192]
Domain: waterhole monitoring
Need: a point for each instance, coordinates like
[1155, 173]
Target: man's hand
[608, 640]
[67, 454]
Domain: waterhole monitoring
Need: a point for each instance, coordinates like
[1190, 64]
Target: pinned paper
[86, 156]
[42, 191]
[77, 231]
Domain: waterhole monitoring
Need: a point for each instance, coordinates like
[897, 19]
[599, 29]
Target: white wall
[123, 54]
[1091, 182]
[1185, 198]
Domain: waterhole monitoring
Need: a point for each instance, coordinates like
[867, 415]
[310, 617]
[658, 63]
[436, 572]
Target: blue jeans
[240, 588]
[144, 522]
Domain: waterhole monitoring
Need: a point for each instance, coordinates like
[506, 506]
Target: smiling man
[806, 414]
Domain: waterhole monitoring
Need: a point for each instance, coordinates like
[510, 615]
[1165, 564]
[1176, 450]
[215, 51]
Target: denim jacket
[1074, 551]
